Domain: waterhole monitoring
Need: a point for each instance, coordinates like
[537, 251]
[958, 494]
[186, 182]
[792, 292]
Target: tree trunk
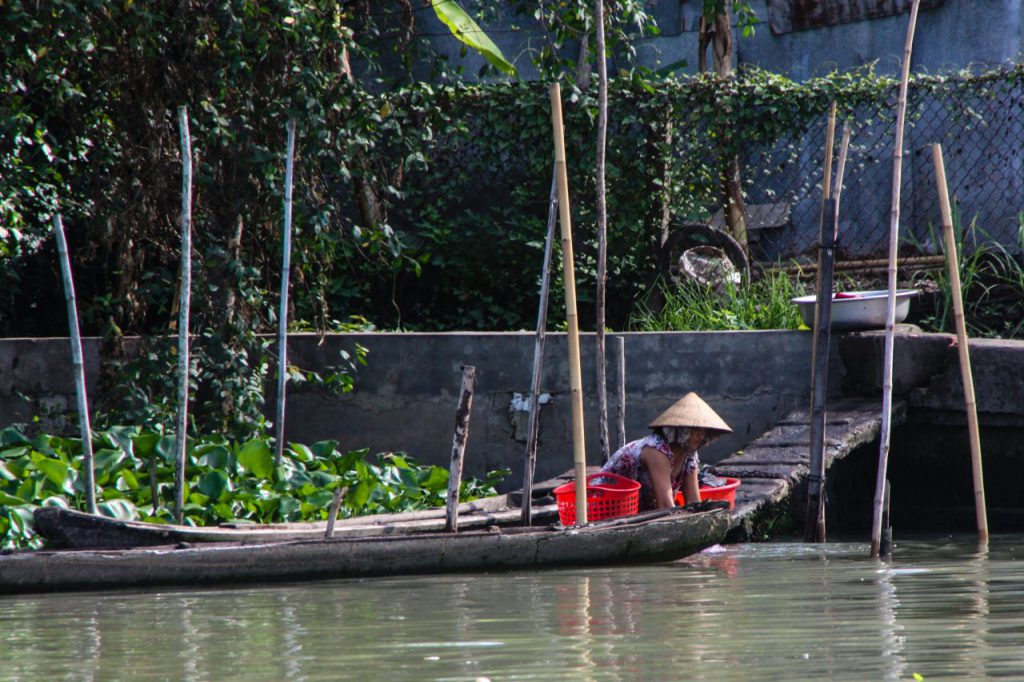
[721, 44]
[732, 183]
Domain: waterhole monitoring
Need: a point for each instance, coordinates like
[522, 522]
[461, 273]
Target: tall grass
[759, 304]
[991, 284]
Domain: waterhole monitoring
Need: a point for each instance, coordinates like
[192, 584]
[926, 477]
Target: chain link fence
[979, 121]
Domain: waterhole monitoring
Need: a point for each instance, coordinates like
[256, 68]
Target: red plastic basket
[725, 492]
[614, 496]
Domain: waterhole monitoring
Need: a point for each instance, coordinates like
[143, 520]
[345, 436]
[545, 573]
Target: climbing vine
[418, 205]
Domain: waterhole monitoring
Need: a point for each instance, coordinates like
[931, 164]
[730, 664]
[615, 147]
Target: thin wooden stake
[332, 515]
[181, 431]
[814, 522]
[818, 357]
[890, 312]
[620, 343]
[572, 324]
[459, 446]
[77, 365]
[602, 233]
[282, 317]
[885, 546]
[817, 416]
[966, 376]
[533, 428]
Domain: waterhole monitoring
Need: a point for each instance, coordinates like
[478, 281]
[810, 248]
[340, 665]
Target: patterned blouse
[627, 462]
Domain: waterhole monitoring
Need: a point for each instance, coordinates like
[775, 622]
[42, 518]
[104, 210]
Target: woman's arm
[691, 487]
[660, 468]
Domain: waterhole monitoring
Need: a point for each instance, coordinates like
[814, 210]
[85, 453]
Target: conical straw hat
[692, 412]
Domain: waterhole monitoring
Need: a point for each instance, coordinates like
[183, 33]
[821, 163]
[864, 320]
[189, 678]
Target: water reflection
[940, 608]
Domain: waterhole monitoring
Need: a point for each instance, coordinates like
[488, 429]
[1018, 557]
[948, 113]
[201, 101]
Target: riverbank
[405, 400]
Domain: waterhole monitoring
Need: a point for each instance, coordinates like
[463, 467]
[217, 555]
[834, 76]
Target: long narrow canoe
[662, 535]
[69, 529]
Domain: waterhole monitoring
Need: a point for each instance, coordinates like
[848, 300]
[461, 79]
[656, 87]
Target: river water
[781, 611]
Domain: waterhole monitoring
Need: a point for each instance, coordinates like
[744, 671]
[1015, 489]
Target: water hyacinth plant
[227, 480]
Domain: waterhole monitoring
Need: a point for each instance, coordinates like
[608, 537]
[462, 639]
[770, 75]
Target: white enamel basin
[862, 310]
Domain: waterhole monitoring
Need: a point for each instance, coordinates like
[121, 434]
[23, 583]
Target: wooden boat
[69, 529]
[661, 535]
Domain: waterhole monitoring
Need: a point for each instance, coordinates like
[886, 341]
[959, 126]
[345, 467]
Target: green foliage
[469, 33]
[227, 480]
[991, 285]
[746, 18]
[569, 21]
[416, 206]
[759, 304]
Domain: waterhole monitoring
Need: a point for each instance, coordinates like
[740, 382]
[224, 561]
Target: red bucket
[725, 492]
[614, 496]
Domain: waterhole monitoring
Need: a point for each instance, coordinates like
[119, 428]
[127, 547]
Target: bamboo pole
[819, 357]
[620, 343]
[77, 366]
[970, 404]
[814, 523]
[572, 325]
[533, 427]
[826, 181]
[282, 317]
[459, 446]
[181, 431]
[890, 308]
[602, 232]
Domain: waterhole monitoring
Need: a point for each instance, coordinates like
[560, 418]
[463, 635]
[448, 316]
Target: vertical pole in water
[332, 515]
[620, 343]
[181, 432]
[602, 232]
[282, 317]
[78, 366]
[533, 427]
[819, 346]
[970, 404]
[885, 545]
[572, 324]
[459, 446]
[890, 308]
[815, 520]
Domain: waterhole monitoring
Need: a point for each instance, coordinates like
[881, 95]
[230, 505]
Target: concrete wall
[956, 34]
[407, 395]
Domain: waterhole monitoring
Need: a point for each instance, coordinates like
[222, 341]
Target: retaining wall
[406, 397]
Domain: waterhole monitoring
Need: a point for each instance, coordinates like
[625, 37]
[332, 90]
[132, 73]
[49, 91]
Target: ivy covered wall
[420, 207]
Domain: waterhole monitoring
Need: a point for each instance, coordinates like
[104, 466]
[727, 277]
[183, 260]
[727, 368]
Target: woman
[667, 461]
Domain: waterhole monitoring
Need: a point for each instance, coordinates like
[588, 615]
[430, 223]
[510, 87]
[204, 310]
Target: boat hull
[70, 529]
[663, 537]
